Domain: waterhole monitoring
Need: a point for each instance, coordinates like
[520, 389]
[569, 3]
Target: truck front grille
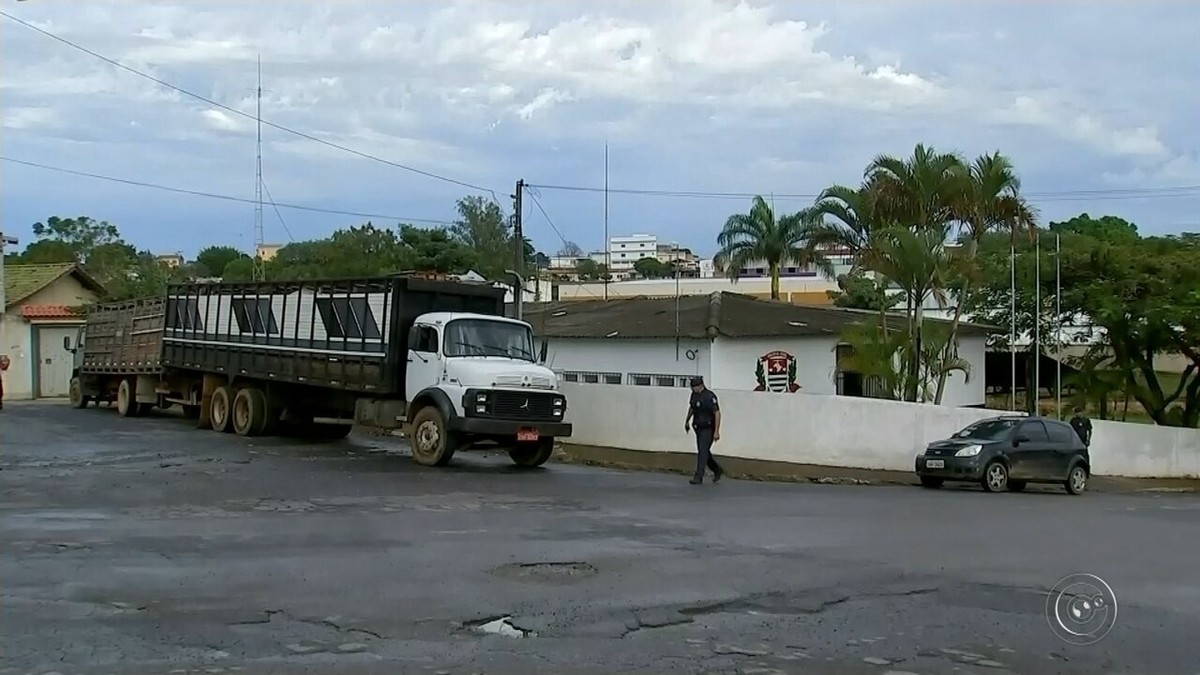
[519, 405]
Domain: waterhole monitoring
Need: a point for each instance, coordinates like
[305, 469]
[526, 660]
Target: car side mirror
[1020, 439]
[542, 352]
[67, 343]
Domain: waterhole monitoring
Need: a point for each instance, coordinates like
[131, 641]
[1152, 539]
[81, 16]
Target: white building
[733, 341]
[624, 251]
[800, 290]
[43, 304]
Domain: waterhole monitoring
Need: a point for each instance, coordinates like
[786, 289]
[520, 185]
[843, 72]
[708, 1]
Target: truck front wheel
[78, 398]
[431, 442]
[529, 455]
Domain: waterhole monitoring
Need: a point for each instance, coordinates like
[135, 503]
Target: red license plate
[524, 435]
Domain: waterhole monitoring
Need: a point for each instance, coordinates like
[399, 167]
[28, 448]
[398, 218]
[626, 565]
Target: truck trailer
[435, 358]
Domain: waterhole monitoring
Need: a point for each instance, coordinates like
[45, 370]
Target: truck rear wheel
[431, 443]
[78, 398]
[529, 455]
[220, 409]
[249, 412]
[127, 405]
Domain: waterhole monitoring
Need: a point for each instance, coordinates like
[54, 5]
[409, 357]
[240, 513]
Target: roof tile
[51, 312]
[693, 316]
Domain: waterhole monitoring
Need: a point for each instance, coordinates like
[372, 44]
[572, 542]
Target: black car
[1008, 452]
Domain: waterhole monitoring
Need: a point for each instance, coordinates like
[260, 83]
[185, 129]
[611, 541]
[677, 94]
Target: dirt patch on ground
[753, 469]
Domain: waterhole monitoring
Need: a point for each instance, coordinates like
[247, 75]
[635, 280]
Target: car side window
[1060, 433]
[1036, 431]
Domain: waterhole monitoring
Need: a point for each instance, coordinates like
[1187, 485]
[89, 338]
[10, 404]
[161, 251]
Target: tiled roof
[699, 316]
[51, 312]
[22, 280]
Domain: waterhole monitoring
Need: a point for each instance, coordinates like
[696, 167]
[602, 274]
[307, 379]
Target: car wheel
[1077, 480]
[931, 482]
[1016, 485]
[995, 477]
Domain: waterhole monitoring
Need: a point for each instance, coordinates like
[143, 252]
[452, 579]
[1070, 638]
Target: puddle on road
[503, 626]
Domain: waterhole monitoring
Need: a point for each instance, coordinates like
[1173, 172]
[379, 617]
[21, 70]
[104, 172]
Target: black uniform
[704, 407]
[1082, 427]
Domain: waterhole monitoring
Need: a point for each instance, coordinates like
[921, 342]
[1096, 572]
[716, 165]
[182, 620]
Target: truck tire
[78, 398]
[431, 443]
[220, 409]
[530, 455]
[249, 412]
[127, 405]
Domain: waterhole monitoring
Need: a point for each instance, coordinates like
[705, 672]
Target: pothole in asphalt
[503, 626]
[546, 571]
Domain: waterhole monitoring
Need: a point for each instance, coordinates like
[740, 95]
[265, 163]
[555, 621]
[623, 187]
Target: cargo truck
[435, 358]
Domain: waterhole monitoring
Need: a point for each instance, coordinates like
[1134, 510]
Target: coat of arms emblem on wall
[777, 372]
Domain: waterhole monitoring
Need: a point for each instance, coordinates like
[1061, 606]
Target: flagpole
[1037, 329]
[1058, 311]
[1012, 335]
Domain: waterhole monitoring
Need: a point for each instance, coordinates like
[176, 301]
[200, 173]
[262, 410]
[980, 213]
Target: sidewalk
[753, 469]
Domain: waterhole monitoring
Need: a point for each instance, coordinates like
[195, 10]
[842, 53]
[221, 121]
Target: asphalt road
[145, 546]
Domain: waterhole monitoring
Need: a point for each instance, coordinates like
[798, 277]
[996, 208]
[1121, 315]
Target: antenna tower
[258, 185]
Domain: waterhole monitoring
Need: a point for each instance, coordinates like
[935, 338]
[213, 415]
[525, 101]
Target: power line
[532, 195]
[228, 198]
[235, 111]
[1064, 195]
[275, 206]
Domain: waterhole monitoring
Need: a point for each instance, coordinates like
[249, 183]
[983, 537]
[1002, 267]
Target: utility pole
[258, 271]
[518, 230]
[607, 241]
[5, 240]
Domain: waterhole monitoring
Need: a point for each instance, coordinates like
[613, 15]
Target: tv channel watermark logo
[1081, 609]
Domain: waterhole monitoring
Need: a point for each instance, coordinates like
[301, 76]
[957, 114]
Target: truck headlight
[481, 409]
[481, 398]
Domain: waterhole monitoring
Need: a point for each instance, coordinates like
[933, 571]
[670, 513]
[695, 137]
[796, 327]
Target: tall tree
[759, 235]
[987, 198]
[570, 250]
[917, 262]
[435, 250]
[95, 244]
[212, 260]
[483, 227]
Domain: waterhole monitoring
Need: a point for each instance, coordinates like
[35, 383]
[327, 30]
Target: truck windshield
[480, 337]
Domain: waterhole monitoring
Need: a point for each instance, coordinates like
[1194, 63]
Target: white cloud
[691, 94]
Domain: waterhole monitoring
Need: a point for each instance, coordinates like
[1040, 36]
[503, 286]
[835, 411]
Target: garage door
[54, 364]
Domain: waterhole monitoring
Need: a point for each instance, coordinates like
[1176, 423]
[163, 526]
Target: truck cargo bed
[124, 338]
[346, 334]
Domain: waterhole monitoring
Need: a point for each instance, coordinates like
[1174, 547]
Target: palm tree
[987, 198]
[917, 194]
[917, 261]
[758, 235]
[920, 191]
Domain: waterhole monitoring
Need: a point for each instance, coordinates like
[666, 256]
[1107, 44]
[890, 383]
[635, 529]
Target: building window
[656, 380]
[590, 377]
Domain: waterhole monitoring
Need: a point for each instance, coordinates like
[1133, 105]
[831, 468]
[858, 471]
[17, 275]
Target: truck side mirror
[543, 350]
[67, 342]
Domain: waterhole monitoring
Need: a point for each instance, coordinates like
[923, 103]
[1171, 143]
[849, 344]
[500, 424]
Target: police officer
[704, 414]
[1082, 426]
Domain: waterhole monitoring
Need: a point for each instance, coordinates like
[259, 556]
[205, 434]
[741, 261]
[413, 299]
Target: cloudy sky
[1095, 102]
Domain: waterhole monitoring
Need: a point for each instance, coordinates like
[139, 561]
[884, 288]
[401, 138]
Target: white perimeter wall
[840, 431]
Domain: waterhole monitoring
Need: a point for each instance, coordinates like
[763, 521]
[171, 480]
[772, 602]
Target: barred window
[589, 377]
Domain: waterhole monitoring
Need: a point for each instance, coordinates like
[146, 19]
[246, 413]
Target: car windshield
[481, 337]
[989, 430]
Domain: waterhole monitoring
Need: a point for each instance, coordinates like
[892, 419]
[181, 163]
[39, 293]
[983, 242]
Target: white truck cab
[476, 377]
